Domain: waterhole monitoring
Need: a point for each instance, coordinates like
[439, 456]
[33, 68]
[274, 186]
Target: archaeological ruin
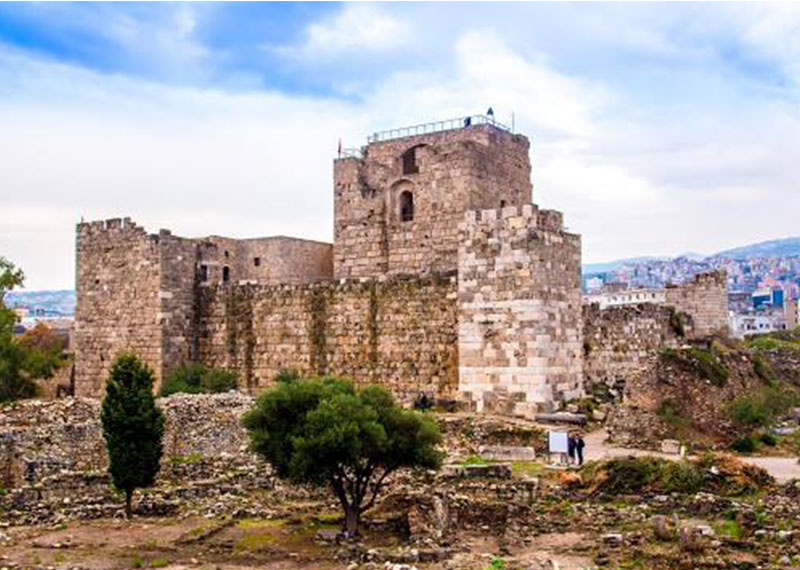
[443, 279]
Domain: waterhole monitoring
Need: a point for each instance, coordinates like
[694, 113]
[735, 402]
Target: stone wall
[138, 292]
[118, 299]
[398, 332]
[705, 297]
[268, 260]
[519, 310]
[620, 342]
[39, 440]
[451, 172]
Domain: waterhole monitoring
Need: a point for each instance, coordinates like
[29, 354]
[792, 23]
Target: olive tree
[327, 432]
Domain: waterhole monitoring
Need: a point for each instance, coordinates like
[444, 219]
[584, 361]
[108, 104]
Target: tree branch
[375, 490]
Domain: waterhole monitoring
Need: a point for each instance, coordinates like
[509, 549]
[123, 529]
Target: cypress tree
[132, 426]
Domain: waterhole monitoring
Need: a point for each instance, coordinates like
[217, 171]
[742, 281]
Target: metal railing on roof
[435, 127]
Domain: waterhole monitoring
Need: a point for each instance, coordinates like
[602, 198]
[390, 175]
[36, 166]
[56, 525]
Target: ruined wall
[519, 310]
[398, 332]
[452, 172]
[619, 342]
[268, 260]
[705, 298]
[118, 299]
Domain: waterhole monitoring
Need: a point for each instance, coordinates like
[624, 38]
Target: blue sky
[656, 128]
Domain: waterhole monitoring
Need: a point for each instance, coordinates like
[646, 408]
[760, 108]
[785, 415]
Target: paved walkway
[782, 468]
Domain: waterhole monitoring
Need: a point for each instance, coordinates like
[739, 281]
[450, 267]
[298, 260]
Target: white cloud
[358, 26]
[632, 177]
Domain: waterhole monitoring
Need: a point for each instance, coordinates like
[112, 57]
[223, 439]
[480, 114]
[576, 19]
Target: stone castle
[443, 278]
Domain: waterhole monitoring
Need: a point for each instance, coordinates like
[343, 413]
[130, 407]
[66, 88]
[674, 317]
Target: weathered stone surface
[519, 310]
[448, 282]
[507, 453]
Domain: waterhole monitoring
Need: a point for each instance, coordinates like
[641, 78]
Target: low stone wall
[53, 458]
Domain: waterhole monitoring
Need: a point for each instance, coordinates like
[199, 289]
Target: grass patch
[729, 528]
[776, 341]
[190, 459]
[705, 363]
[136, 561]
[763, 371]
[248, 524]
[670, 413]
[477, 460]
[159, 563]
[521, 469]
[759, 408]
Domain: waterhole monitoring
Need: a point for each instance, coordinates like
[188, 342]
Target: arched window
[226, 274]
[406, 206]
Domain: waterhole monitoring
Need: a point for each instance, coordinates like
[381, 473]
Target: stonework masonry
[443, 278]
[706, 299]
[519, 310]
[399, 332]
[446, 174]
[620, 342]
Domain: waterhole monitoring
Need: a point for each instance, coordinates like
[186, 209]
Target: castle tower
[398, 205]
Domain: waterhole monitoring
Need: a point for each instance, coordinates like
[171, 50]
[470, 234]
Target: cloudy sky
[657, 128]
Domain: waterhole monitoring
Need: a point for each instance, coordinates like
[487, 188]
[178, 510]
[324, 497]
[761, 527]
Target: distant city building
[757, 322]
[594, 284]
[607, 299]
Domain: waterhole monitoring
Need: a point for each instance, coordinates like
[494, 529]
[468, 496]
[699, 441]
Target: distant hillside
[591, 268]
[773, 248]
[57, 301]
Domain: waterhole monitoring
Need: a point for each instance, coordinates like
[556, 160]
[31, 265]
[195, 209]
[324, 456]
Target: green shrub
[187, 379]
[217, 380]
[744, 445]
[723, 475]
[496, 564]
[768, 439]
[287, 375]
[198, 379]
[676, 320]
[633, 475]
[758, 408]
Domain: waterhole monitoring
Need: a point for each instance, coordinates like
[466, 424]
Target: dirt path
[782, 469]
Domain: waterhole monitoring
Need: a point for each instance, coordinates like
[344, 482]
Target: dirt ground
[171, 543]
[199, 543]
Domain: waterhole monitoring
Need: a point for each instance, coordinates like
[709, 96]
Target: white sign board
[558, 441]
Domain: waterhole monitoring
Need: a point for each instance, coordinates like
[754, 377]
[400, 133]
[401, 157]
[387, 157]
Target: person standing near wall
[579, 445]
[571, 448]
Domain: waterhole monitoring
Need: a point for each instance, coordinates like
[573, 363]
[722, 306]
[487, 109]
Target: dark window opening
[226, 274]
[226, 254]
[502, 203]
[410, 161]
[256, 261]
[406, 206]
[97, 282]
[204, 273]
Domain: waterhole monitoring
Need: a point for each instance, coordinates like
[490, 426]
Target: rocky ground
[493, 507]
